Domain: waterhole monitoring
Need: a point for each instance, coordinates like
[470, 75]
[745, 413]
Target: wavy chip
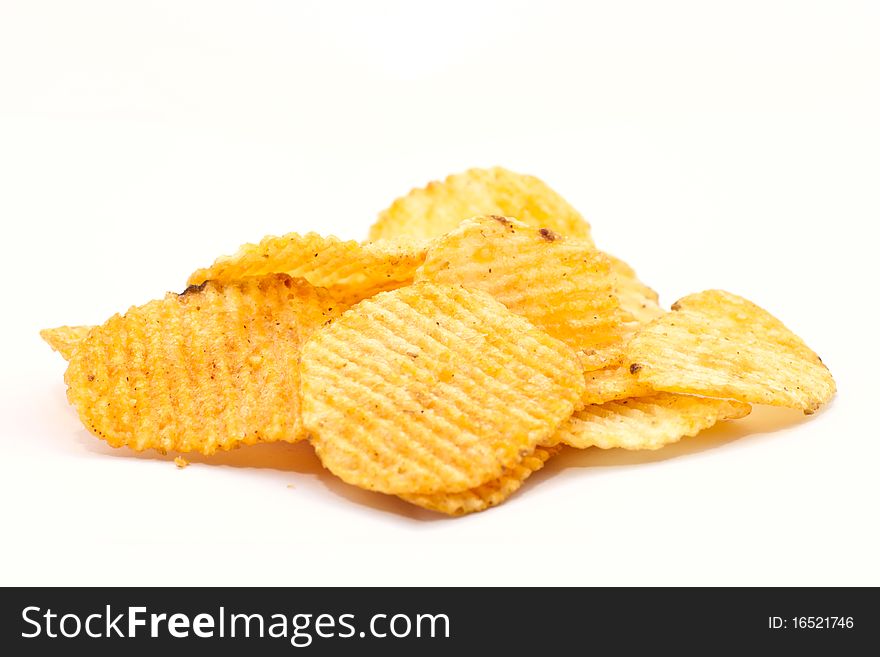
[489, 494]
[431, 389]
[646, 422]
[353, 268]
[438, 208]
[65, 339]
[611, 383]
[717, 344]
[565, 287]
[212, 368]
[635, 297]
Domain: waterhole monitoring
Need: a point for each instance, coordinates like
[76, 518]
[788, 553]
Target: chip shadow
[298, 458]
[301, 459]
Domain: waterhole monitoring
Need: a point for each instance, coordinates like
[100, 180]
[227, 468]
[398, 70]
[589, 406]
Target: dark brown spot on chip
[676, 306]
[192, 289]
[501, 220]
[635, 367]
[548, 235]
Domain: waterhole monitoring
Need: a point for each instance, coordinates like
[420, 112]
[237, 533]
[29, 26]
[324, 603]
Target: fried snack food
[646, 422]
[490, 494]
[717, 344]
[351, 268]
[635, 297]
[433, 388]
[212, 368]
[434, 210]
[611, 383]
[565, 287]
[64, 339]
[445, 361]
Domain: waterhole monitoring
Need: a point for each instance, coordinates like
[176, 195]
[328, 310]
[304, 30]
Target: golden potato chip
[612, 383]
[491, 493]
[212, 368]
[646, 422]
[323, 261]
[64, 339]
[635, 297]
[563, 286]
[433, 388]
[720, 345]
[438, 208]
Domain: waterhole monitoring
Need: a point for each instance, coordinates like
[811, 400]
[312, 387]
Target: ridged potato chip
[646, 422]
[354, 268]
[431, 389]
[635, 297]
[717, 344]
[565, 287]
[438, 208]
[64, 339]
[212, 368]
[491, 493]
[611, 383]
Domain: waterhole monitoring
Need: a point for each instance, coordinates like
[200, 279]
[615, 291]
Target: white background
[731, 145]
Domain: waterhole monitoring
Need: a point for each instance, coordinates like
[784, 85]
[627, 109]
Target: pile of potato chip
[475, 335]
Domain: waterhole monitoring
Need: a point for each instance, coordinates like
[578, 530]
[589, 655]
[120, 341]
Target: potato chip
[565, 287]
[212, 368]
[720, 345]
[612, 383]
[359, 268]
[438, 208]
[64, 339]
[431, 388]
[491, 493]
[635, 297]
[646, 422]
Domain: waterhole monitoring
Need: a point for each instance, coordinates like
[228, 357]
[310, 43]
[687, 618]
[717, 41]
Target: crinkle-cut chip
[65, 339]
[322, 261]
[635, 297]
[212, 368]
[434, 210]
[565, 287]
[433, 388]
[611, 383]
[717, 344]
[646, 422]
[490, 494]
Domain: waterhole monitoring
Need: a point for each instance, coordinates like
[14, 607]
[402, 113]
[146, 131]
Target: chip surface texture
[431, 389]
[65, 339]
[490, 494]
[324, 261]
[718, 344]
[212, 368]
[434, 210]
[565, 287]
[646, 422]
